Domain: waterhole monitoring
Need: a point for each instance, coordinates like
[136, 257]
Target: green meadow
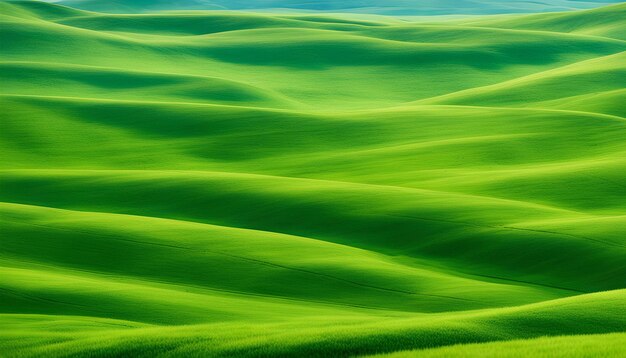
[281, 184]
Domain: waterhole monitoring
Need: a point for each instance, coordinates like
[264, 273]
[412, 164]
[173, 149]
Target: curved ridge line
[229, 175]
[258, 261]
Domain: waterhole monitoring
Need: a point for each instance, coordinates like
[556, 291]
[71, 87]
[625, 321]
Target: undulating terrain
[219, 183]
[389, 7]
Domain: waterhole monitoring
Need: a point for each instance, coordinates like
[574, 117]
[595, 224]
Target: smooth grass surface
[390, 7]
[315, 336]
[237, 184]
[610, 345]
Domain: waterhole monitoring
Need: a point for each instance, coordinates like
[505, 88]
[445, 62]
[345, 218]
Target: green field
[389, 7]
[220, 183]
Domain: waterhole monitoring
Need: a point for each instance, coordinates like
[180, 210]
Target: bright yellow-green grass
[219, 183]
[607, 345]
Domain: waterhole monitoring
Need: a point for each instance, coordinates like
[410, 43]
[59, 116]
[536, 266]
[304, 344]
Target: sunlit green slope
[317, 334]
[389, 7]
[605, 21]
[237, 184]
[609, 345]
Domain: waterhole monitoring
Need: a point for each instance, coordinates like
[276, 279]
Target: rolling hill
[225, 183]
[388, 7]
[586, 346]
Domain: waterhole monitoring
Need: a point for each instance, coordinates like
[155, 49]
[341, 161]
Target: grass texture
[389, 7]
[217, 183]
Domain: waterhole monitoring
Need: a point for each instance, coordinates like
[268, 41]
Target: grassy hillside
[604, 21]
[220, 183]
[389, 7]
[610, 345]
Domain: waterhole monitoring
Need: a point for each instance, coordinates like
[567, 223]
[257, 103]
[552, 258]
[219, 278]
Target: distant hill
[389, 7]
